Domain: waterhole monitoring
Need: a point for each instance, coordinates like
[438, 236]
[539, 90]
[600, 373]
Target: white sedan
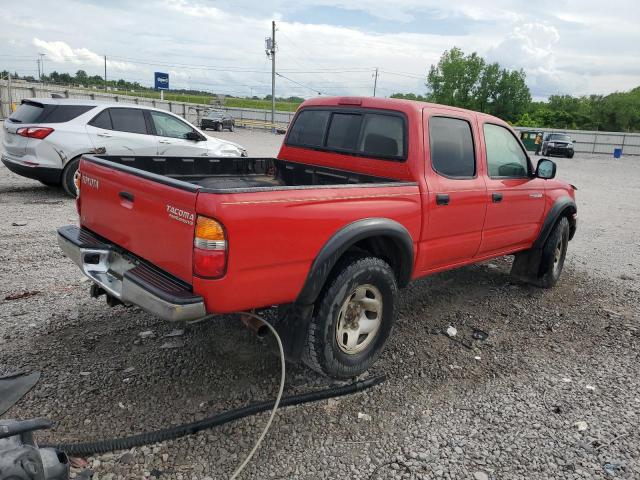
[45, 138]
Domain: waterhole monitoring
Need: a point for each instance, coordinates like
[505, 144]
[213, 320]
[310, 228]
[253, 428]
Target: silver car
[44, 138]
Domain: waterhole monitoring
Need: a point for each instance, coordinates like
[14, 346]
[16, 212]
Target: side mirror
[193, 135]
[546, 169]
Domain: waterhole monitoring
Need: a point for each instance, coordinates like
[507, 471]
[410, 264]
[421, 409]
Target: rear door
[171, 134]
[122, 131]
[153, 220]
[456, 203]
[515, 198]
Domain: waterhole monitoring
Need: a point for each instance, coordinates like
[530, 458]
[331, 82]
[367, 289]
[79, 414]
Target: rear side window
[308, 129]
[128, 120]
[359, 132]
[451, 147]
[34, 112]
[102, 120]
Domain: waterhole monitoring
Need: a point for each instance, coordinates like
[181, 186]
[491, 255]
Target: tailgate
[152, 217]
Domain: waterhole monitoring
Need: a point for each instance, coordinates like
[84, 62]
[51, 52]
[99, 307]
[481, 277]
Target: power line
[298, 83]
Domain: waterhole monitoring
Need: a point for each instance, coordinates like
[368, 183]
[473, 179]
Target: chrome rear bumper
[129, 280]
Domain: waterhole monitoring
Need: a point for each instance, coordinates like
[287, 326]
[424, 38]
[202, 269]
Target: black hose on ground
[171, 433]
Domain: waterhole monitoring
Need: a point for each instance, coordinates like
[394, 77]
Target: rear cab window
[36, 112]
[360, 132]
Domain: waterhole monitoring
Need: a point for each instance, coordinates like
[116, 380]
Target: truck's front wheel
[353, 319]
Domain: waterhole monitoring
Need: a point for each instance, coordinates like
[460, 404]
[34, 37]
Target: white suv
[44, 138]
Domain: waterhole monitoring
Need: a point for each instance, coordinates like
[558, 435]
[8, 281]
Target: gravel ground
[553, 392]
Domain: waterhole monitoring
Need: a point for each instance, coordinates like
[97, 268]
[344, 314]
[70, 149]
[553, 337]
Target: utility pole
[105, 73]
[273, 76]
[39, 74]
[41, 67]
[375, 82]
[270, 47]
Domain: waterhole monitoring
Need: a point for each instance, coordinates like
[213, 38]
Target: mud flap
[293, 326]
[526, 266]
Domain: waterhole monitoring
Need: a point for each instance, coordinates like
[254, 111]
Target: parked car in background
[557, 144]
[218, 120]
[45, 137]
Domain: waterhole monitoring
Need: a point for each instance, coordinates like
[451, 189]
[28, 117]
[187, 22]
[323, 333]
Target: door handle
[496, 197]
[442, 199]
[164, 141]
[127, 196]
[104, 134]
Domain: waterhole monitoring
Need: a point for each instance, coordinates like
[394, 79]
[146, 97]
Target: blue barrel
[617, 152]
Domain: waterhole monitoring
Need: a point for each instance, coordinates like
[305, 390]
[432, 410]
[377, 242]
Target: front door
[456, 201]
[515, 198]
[171, 133]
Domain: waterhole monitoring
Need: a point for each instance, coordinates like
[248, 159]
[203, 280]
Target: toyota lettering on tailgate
[180, 215]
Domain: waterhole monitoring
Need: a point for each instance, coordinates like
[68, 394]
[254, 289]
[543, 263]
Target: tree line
[83, 80]
[469, 81]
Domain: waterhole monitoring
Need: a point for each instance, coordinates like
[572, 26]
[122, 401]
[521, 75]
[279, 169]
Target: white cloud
[573, 46]
[532, 47]
[61, 52]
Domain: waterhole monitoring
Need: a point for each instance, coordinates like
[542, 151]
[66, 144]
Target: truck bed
[237, 175]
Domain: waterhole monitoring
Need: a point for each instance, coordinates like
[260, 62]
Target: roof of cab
[397, 104]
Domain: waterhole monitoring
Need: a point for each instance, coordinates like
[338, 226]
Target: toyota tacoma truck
[365, 195]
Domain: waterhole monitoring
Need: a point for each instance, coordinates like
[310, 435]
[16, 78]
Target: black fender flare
[348, 236]
[559, 208]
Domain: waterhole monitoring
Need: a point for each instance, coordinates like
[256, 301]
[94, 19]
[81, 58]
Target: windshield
[559, 136]
[214, 113]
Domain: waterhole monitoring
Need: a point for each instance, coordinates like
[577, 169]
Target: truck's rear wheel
[353, 319]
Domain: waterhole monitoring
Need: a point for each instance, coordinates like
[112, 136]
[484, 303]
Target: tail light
[209, 248]
[34, 132]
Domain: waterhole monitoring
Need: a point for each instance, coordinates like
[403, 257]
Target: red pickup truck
[365, 195]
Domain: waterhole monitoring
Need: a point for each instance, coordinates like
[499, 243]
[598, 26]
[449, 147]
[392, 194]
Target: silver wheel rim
[359, 319]
[557, 256]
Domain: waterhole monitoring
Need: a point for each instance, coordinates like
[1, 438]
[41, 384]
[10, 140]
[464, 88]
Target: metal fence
[192, 112]
[596, 142]
[584, 141]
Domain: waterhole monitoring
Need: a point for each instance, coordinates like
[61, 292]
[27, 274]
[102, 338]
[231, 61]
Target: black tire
[232, 127]
[67, 177]
[322, 352]
[570, 155]
[554, 252]
[218, 127]
[49, 184]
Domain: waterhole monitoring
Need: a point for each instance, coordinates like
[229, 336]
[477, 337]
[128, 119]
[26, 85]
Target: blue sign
[161, 81]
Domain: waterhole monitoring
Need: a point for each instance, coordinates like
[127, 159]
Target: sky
[331, 47]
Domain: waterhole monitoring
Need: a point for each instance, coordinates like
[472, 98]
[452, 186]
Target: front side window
[169, 126]
[128, 120]
[451, 147]
[505, 157]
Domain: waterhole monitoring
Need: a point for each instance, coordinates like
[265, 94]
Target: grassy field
[205, 99]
